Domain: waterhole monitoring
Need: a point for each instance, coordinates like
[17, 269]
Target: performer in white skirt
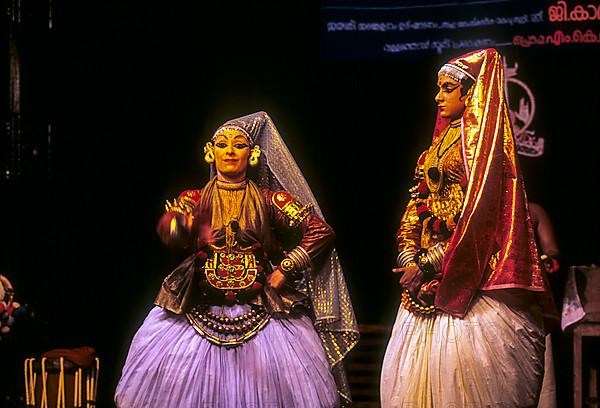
[470, 330]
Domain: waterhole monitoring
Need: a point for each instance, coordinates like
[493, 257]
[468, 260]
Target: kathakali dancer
[470, 329]
[259, 314]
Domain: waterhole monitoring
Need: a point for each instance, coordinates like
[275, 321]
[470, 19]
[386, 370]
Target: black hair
[466, 83]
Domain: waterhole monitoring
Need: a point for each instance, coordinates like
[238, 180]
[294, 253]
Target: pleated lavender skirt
[170, 365]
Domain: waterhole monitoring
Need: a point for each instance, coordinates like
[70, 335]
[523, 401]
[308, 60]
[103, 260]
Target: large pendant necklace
[434, 175]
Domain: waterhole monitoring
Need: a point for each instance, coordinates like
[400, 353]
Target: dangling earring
[254, 155]
[209, 153]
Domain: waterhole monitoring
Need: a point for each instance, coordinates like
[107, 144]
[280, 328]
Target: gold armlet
[414, 192]
[293, 210]
[295, 213]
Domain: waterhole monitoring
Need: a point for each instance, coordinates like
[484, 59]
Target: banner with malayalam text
[353, 29]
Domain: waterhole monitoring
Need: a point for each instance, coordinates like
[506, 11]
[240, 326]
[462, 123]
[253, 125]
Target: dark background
[134, 90]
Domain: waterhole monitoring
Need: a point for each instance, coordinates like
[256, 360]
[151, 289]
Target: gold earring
[209, 153]
[254, 155]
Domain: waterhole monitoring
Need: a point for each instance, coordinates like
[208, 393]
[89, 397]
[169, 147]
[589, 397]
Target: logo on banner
[521, 106]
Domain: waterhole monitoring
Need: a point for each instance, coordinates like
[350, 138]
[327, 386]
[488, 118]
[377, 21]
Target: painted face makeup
[450, 101]
[232, 151]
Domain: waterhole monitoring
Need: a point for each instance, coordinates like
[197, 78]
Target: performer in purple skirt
[258, 315]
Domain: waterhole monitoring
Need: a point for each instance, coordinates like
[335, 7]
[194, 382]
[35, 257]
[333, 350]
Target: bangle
[435, 255]
[286, 265]
[406, 257]
[299, 257]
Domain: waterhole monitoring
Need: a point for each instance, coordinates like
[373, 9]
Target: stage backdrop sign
[353, 29]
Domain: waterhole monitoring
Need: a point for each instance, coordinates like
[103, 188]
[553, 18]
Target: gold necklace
[232, 186]
[230, 215]
[444, 146]
[433, 166]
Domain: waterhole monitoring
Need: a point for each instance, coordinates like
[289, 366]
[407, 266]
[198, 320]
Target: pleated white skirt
[494, 357]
